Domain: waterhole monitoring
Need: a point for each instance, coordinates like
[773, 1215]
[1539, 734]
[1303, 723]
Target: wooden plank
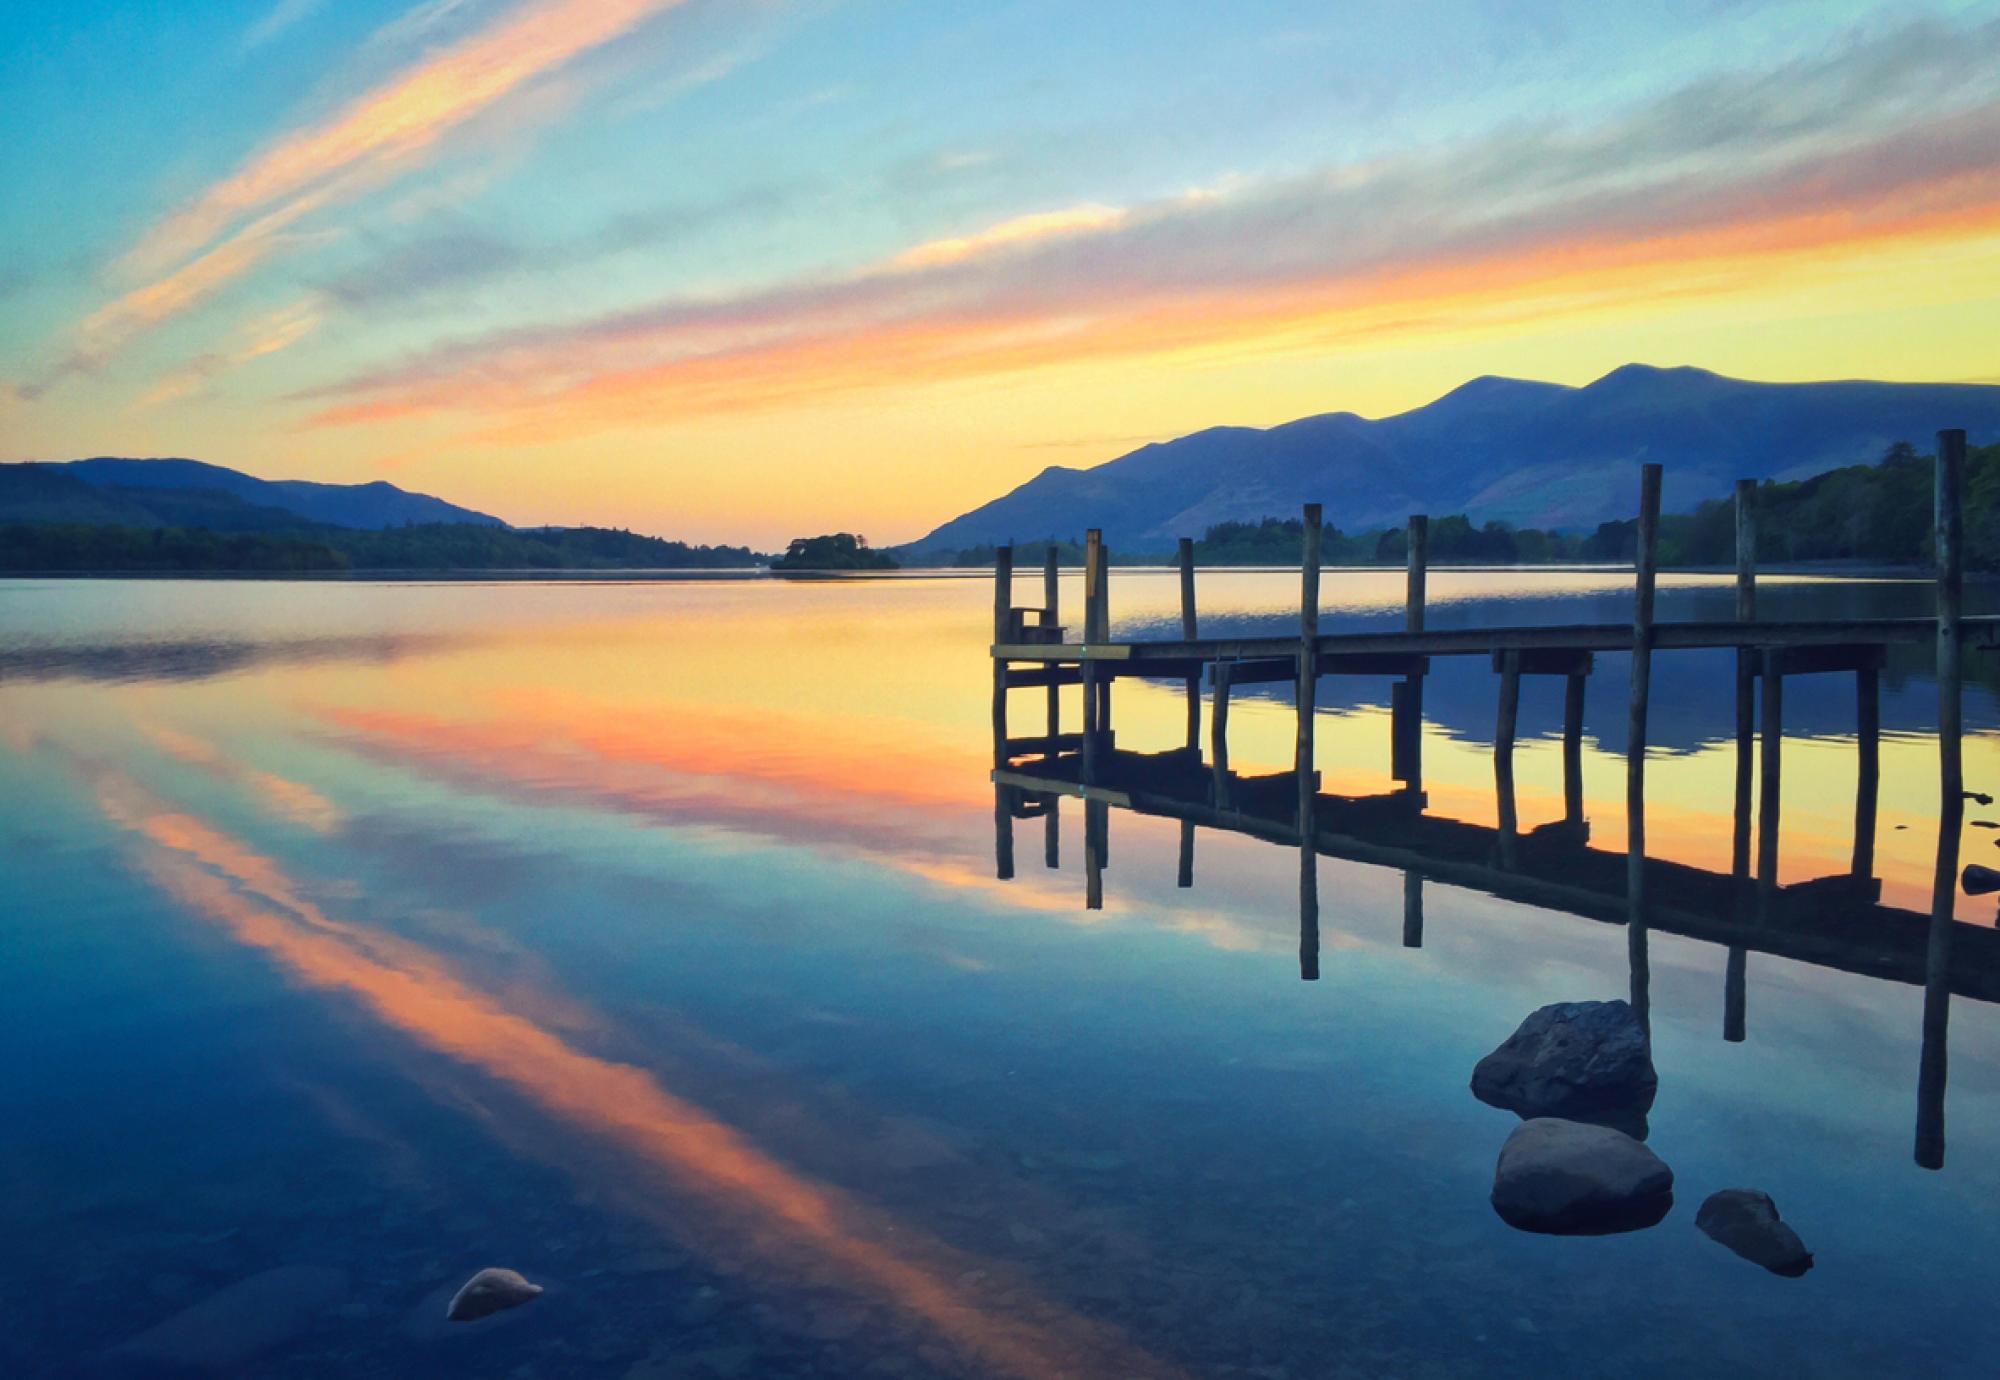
[1052, 676]
[1044, 745]
[1373, 664]
[1549, 661]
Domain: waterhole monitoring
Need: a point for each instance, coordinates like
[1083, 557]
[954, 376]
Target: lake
[647, 938]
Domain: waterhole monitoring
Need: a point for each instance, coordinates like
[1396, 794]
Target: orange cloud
[1186, 277]
[294, 800]
[250, 899]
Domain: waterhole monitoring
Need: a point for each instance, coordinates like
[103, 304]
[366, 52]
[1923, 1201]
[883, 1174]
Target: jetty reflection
[1836, 921]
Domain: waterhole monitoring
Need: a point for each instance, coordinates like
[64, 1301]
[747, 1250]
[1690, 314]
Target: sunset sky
[736, 270]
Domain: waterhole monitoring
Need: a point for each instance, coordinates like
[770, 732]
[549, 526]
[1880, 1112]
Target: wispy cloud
[376, 136]
[282, 16]
[1714, 188]
[265, 334]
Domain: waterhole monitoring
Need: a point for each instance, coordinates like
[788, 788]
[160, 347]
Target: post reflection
[1835, 921]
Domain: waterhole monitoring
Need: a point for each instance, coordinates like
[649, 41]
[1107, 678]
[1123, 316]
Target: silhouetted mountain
[1534, 454]
[373, 505]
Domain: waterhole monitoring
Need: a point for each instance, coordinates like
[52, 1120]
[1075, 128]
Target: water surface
[647, 939]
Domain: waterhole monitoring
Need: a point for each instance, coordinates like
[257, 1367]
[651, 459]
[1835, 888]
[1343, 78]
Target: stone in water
[490, 1291]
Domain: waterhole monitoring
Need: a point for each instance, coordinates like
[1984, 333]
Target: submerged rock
[1570, 1178]
[488, 1292]
[1747, 1222]
[1579, 1060]
[224, 1332]
[1978, 880]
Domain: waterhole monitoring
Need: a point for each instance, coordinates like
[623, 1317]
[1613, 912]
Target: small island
[836, 551]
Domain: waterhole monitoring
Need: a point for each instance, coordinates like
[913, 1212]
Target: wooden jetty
[1836, 922]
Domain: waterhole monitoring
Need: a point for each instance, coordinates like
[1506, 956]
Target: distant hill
[374, 505]
[185, 516]
[1532, 454]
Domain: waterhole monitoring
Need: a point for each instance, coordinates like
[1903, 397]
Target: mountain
[1532, 454]
[369, 506]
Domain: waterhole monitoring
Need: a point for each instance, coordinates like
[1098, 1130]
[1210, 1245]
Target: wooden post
[1413, 909]
[1503, 753]
[1184, 873]
[1303, 761]
[1093, 561]
[1052, 834]
[1573, 750]
[1868, 777]
[1188, 633]
[1003, 833]
[1770, 791]
[1218, 733]
[1746, 671]
[1003, 618]
[1103, 633]
[1950, 542]
[1052, 617]
[1096, 825]
[1735, 981]
[1645, 573]
[1408, 726]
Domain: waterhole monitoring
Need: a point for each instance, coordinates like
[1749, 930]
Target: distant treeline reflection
[1879, 513]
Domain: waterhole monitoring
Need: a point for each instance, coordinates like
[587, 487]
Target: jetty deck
[1836, 922]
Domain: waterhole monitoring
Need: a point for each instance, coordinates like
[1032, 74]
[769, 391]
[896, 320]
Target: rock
[488, 1292]
[227, 1330]
[1978, 880]
[1579, 1060]
[1570, 1178]
[1747, 1222]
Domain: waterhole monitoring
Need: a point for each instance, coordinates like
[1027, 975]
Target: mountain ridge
[1522, 451]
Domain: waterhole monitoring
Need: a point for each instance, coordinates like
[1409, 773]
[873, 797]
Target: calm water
[647, 939]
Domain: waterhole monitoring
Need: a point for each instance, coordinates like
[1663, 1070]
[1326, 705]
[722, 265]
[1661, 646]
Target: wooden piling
[1503, 753]
[1052, 833]
[1413, 909]
[1103, 633]
[1746, 671]
[1096, 828]
[1573, 749]
[1770, 761]
[1003, 618]
[1190, 632]
[1950, 545]
[1645, 577]
[1308, 685]
[1407, 751]
[1868, 772]
[1003, 833]
[1093, 562]
[1184, 872]
[1218, 733]
[1735, 982]
[1052, 617]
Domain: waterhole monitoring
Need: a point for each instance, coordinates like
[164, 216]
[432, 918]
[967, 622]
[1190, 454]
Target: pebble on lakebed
[488, 1292]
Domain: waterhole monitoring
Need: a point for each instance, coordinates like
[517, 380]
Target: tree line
[78, 547]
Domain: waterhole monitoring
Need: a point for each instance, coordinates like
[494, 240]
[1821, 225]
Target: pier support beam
[1093, 564]
[1406, 713]
[1308, 686]
[1003, 620]
[1868, 767]
[1189, 632]
[1573, 749]
[1413, 909]
[1770, 764]
[1950, 544]
[1646, 572]
[1052, 602]
[1735, 982]
[1509, 666]
[1218, 733]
